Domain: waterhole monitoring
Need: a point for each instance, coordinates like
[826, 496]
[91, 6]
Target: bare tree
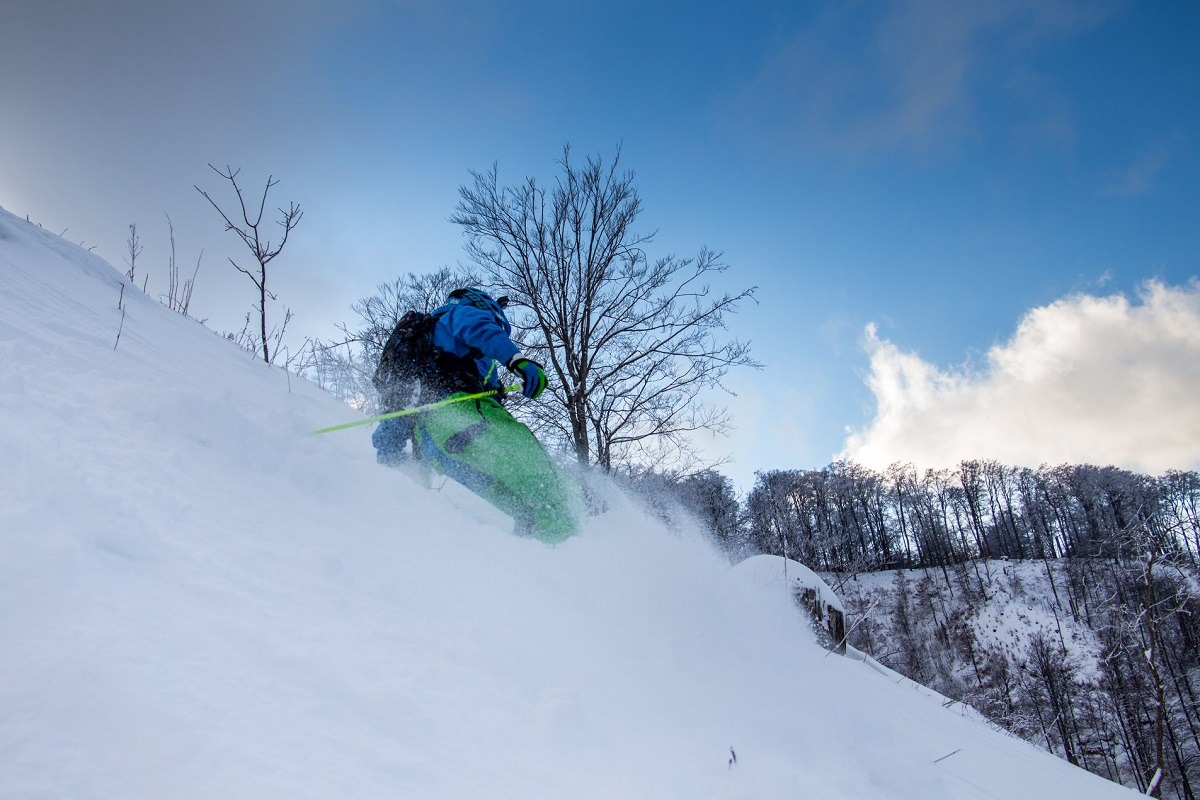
[632, 342]
[712, 498]
[248, 230]
[1161, 589]
[179, 292]
[345, 367]
[134, 245]
[413, 292]
[337, 368]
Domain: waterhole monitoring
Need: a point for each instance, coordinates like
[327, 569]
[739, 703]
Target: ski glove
[533, 377]
[390, 439]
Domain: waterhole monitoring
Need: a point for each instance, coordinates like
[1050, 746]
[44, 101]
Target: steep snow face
[198, 599]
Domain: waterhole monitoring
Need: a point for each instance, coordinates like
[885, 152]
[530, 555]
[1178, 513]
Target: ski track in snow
[198, 600]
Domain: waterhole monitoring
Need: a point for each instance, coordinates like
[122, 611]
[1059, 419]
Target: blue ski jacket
[465, 330]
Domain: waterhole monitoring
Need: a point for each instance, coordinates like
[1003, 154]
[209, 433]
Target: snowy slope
[199, 600]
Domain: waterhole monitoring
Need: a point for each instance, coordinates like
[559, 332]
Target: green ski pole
[417, 409]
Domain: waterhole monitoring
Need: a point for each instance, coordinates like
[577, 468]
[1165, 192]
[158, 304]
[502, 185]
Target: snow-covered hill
[200, 600]
[1047, 649]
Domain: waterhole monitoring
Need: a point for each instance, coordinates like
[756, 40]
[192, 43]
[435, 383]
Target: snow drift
[198, 600]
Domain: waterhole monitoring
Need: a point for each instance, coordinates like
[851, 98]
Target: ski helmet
[472, 296]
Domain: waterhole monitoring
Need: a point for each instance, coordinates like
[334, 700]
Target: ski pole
[418, 409]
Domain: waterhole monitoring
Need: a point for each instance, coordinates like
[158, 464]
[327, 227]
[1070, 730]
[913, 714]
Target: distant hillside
[1063, 653]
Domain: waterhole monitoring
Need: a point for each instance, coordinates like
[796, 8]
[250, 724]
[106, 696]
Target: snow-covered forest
[1060, 602]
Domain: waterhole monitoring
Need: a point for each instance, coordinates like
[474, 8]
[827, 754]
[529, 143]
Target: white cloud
[1086, 379]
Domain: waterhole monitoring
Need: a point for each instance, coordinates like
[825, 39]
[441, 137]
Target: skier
[478, 442]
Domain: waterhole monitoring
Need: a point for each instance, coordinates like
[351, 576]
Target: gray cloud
[1139, 177]
[900, 76]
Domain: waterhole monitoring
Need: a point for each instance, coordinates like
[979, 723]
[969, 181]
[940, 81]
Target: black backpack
[412, 370]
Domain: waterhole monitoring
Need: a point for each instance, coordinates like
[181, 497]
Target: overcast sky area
[975, 226]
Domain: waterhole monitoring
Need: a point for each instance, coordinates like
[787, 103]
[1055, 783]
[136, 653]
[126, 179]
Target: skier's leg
[483, 447]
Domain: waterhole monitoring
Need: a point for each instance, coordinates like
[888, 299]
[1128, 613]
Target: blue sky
[941, 171]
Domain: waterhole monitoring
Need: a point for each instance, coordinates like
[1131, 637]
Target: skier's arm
[478, 329]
